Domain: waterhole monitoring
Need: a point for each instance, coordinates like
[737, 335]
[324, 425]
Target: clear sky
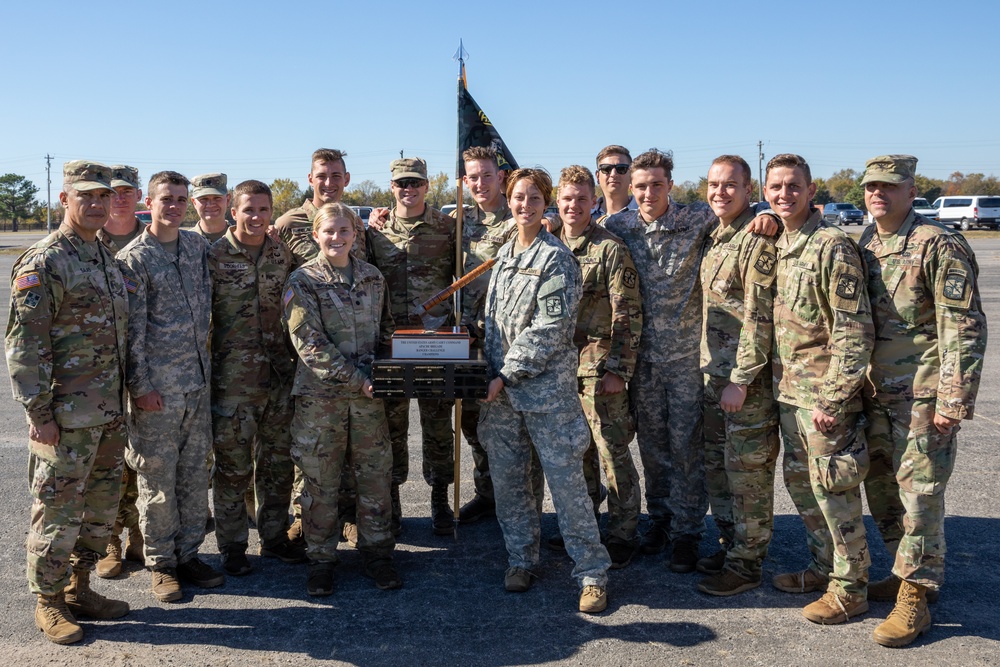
[252, 88]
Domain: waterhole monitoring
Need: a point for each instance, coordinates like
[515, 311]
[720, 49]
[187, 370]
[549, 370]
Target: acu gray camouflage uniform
[337, 325]
[168, 352]
[928, 358]
[66, 357]
[741, 448]
[531, 310]
[252, 372]
[823, 337]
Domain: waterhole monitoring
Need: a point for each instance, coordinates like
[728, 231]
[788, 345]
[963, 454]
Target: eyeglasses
[606, 169]
[404, 183]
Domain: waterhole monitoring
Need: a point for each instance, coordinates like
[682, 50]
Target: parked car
[364, 212]
[922, 207]
[145, 217]
[967, 212]
[448, 208]
[843, 214]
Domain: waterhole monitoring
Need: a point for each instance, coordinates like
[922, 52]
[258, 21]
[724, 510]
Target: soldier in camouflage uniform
[65, 349]
[924, 376]
[168, 382]
[210, 198]
[415, 251]
[823, 336]
[252, 372]
[123, 226]
[665, 240]
[337, 311]
[613, 176]
[328, 177]
[531, 310]
[741, 417]
[608, 328]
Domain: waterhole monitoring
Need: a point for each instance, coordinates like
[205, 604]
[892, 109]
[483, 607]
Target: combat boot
[656, 539]
[712, 564]
[833, 608]
[111, 565]
[83, 601]
[133, 551]
[396, 521]
[442, 518]
[685, 555]
[480, 507]
[54, 618]
[806, 581]
[886, 590]
[909, 619]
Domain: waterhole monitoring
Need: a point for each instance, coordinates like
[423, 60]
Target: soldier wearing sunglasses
[613, 176]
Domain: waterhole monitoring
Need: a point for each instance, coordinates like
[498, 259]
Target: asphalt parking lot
[453, 609]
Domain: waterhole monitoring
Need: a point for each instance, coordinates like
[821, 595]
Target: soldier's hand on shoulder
[378, 218]
[765, 224]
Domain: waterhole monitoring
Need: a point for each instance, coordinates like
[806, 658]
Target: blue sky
[252, 88]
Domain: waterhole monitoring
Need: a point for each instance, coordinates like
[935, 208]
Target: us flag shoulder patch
[289, 293]
[131, 286]
[27, 281]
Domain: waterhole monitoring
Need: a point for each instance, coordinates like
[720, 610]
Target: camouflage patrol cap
[410, 167]
[124, 176]
[208, 184]
[86, 175]
[890, 169]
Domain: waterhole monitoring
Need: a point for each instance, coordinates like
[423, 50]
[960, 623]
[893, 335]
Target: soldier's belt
[431, 378]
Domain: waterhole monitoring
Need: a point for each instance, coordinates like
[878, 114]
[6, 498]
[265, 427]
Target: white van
[966, 212]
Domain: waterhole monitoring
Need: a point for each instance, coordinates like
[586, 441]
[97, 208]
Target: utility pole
[48, 188]
[400, 153]
[760, 171]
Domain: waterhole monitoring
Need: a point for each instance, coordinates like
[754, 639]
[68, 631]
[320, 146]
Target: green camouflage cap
[410, 167]
[125, 176]
[86, 175]
[890, 169]
[208, 184]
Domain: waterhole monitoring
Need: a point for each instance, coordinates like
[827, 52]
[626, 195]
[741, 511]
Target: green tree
[822, 195]
[440, 191]
[286, 196]
[928, 188]
[841, 183]
[856, 195]
[17, 198]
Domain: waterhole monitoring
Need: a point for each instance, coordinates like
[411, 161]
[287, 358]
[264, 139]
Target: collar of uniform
[423, 217]
[800, 240]
[82, 248]
[723, 234]
[310, 208]
[151, 241]
[581, 241]
[665, 221]
[893, 243]
[236, 248]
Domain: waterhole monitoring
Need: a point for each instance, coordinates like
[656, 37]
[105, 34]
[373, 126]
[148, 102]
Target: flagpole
[459, 271]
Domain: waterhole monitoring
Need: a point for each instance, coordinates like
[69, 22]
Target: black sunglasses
[404, 183]
[619, 169]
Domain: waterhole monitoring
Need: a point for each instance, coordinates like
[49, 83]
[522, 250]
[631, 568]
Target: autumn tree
[17, 198]
[286, 196]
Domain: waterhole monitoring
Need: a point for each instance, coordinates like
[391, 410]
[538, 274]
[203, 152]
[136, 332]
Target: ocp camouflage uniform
[66, 357]
[741, 448]
[417, 258]
[823, 337]
[211, 238]
[337, 325]
[168, 352]
[252, 373]
[295, 229]
[930, 341]
[666, 389]
[531, 310]
[608, 330]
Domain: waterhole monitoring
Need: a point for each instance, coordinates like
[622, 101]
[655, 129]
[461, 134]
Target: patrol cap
[124, 176]
[87, 175]
[409, 167]
[890, 169]
[208, 184]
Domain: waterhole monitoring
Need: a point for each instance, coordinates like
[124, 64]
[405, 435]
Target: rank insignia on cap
[765, 263]
[289, 293]
[954, 286]
[131, 286]
[629, 278]
[554, 305]
[27, 281]
[847, 287]
[31, 299]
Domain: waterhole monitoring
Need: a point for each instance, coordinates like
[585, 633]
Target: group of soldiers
[241, 357]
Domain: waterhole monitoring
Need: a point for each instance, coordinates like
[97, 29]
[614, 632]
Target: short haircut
[790, 160]
[577, 175]
[161, 177]
[252, 188]
[538, 177]
[654, 158]
[333, 211]
[736, 161]
[480, 153]
[613, 149]
[328, 155]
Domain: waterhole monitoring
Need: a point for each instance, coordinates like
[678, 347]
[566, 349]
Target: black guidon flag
[475, 129]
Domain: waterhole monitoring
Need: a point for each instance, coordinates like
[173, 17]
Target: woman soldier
[338, 316]
[531, 310]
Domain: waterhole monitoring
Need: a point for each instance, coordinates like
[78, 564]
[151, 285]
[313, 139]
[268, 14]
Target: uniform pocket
[847, 467]
[928, 461]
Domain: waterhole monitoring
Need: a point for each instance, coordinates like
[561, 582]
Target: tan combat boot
[54, 619]
[133, 551]
[83, 601]
[111, 565]
[909, 619]
[832, 608]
